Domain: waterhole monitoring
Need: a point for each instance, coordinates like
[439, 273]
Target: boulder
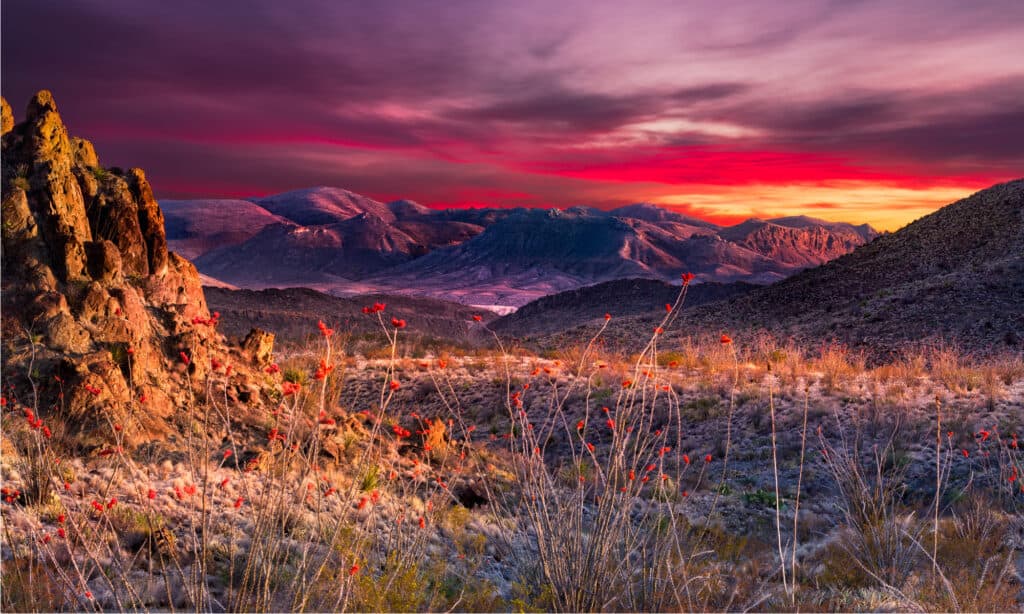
[258, 346]
[65, 334]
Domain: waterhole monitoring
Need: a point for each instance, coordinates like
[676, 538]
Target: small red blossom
[725, 339]
[397, 323]
[477, 318]
[324, 331]
[668, 308]
[394, 385]
[607, 317]
[272, 369]
[687, 278]
[323, 370]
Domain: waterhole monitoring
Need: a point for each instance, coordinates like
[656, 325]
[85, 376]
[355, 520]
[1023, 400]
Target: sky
[850, 110]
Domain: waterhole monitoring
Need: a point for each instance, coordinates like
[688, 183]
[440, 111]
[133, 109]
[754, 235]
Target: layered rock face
[96, 310]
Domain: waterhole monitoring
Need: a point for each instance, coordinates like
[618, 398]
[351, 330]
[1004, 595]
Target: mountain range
[345, 243]
[954, 276]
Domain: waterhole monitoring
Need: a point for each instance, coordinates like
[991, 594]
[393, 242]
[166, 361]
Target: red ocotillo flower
[668, 308]
[477, 318]
[184, 358]
[61, 533]
[725, 339]
[580, 425]
[610, 423]
[423, 522]
[627, 383]
[394, 385]
[238, 502]
[326, 332]
[151, 494]
[686, 458]
[323, 370]
[658, 330]
[687, 277]
[397, 323]
[607, 316]
[965, 453]
[272, 369]
[353, 570]
[290, 388]
[590, 447]
[707, 458]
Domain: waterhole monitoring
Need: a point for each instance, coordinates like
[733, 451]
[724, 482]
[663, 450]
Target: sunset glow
[863, 112]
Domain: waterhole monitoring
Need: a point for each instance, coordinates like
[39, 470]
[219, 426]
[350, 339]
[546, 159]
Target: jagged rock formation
[96, 310]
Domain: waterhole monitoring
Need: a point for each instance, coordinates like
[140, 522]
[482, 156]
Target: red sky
[865, 111]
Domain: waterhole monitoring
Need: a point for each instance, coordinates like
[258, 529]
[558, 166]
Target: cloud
[524, 103]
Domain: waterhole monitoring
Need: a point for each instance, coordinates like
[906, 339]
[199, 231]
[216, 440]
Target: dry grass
[572, 482]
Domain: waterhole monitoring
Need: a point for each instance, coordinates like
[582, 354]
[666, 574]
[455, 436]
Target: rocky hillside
[799, 241]
[96, 310]
[198, 226]
[288, 312]
[619, 298]
[956, 275]
[345, 243]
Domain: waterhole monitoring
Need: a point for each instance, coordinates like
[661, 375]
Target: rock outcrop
[95, 309]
